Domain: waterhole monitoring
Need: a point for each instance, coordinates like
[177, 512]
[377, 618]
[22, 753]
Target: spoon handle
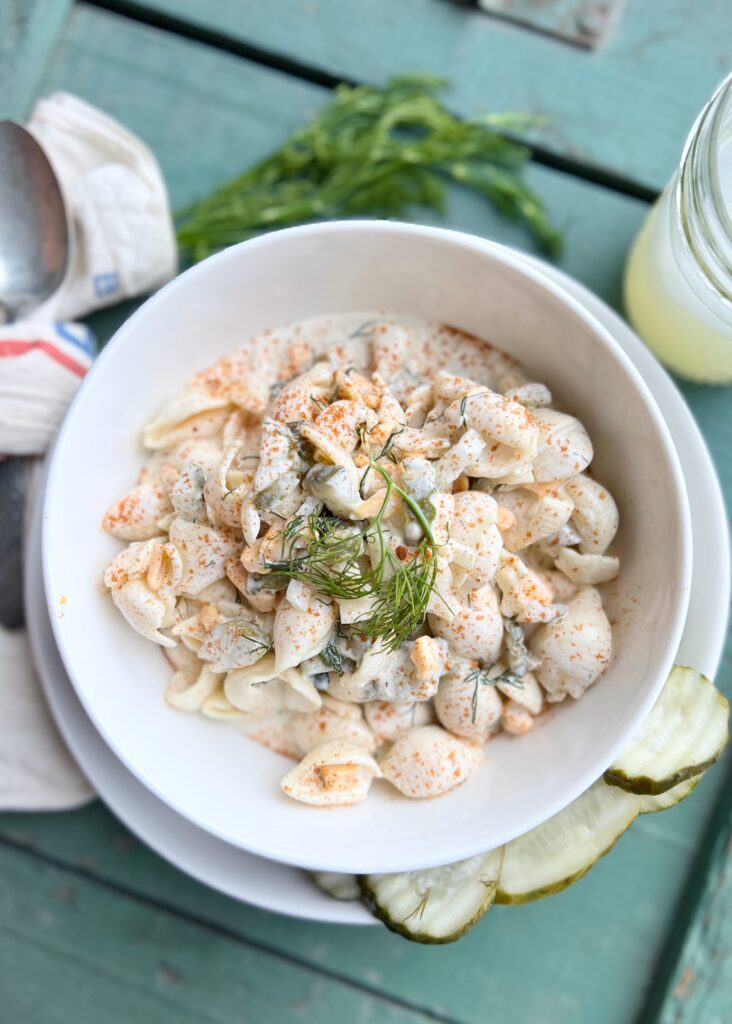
[12, 505]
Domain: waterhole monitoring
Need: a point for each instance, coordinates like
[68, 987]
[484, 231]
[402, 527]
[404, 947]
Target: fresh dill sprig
[420, 908]
[293, 527]
[400, 603]
[520, 661]
[481, 677]
[464, 407]
[332, 658]
[372, 152]
[330, 562]
[331, 565]
[361, 331]
[385, 453]
[255, 636]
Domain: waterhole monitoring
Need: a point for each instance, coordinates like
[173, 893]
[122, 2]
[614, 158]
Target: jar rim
[701, 210]
[721, 105]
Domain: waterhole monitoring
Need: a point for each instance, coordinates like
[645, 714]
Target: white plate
[195, 764]
[283, 889]
[212, 861]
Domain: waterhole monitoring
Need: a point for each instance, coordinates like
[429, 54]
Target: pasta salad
[373, 544]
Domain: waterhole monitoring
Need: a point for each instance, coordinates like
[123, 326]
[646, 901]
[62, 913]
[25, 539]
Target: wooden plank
[29, 30]
[206, 114]
[625, 108]
[702, 989]
[234, 112]
[560, 961]
[695, 979]
[239, 112]
[73, 951]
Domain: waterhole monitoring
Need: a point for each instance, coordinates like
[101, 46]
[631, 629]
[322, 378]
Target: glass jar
[678, 278]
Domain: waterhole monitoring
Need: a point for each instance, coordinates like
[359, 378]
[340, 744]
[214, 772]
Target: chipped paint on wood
[585, 23]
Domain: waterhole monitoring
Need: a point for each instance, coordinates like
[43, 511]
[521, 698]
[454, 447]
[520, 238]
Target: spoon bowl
[34, 231]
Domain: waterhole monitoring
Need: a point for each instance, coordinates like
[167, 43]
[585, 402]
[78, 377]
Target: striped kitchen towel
[41, 366]
[123, 245]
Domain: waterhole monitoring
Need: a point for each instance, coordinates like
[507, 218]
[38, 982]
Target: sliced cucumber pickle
[563, 849]
[684, 733]
[649, 804]
[437, 905]
[337, 885]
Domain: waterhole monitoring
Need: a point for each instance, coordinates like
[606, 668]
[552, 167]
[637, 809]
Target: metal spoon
[34, 254]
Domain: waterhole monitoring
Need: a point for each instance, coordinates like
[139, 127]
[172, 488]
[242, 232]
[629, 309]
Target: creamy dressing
[360, 509]
[434, 347]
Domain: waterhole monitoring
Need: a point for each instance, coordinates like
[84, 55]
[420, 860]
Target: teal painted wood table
[93, 926]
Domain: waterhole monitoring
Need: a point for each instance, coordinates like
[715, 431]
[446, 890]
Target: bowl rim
[501, 254]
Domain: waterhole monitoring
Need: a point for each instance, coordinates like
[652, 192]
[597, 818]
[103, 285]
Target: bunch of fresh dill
[373, 152]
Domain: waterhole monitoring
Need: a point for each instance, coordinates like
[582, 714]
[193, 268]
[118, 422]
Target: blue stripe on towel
[84, 339]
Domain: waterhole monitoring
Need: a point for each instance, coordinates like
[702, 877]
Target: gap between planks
[194, 36]
[223, 931]
[541, 155]
[705, 874]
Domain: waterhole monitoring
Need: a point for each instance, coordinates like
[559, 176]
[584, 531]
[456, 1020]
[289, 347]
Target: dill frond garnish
[293, 527]
[420, 908]
[520, 661]
[385, 453]
[464, 407]
[332, 564]
[375, 152]
[400, 603]
[481, 677]
[332, 658]
[361, 331]
[254, 636]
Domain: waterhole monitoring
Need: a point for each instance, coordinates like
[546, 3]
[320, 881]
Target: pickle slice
[649, 804]
[684, 733]
[339, 886]
[436, 905]
[553, 855]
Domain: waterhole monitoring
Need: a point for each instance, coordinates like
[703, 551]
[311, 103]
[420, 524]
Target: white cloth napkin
[123, 244]
[37, 773]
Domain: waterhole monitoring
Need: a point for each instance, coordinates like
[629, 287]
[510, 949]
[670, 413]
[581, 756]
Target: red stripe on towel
[19, 348]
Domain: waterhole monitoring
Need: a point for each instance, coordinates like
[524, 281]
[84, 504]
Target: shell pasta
[372, 544]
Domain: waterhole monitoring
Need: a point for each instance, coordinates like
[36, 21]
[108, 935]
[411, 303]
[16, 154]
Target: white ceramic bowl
[207, 771]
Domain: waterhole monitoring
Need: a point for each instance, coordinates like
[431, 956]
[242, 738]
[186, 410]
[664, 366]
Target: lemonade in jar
[678, 278]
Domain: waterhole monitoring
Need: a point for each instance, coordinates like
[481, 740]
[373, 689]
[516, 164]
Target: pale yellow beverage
[678, 278]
